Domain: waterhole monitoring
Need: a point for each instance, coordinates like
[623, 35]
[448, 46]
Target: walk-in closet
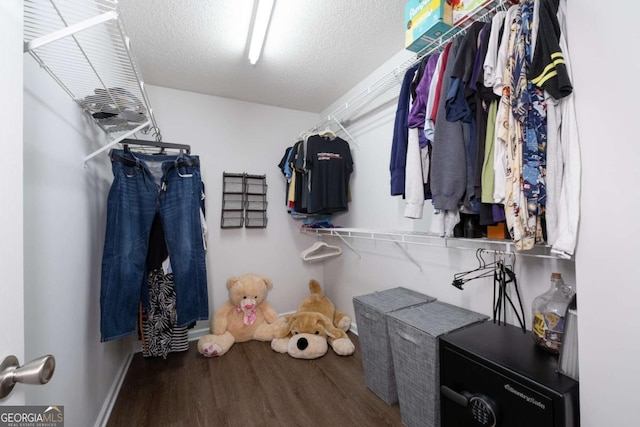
[419, 175]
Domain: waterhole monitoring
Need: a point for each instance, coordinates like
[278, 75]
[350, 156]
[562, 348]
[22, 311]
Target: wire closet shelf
[420, 238]
[388, 86]
[84, 47]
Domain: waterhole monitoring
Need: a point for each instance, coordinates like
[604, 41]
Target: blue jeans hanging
[143, 185]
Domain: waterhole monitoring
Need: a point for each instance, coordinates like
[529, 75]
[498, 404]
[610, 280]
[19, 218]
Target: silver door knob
[38, 371]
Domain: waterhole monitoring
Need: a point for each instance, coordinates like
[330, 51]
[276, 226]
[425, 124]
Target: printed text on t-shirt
[329, 156]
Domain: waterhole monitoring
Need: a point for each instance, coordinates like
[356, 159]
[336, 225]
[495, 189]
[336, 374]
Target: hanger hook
[479, 257]
[157, 134]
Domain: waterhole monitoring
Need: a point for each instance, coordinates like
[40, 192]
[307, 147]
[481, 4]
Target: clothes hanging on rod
[563, 152]
[317, 170]
[158, 328]
[298, 192]
[288, 171]
[399, 143]
[498, 113]
[330, 164]
[146, 185]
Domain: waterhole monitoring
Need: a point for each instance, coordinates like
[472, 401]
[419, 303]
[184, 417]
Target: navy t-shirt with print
[330, 165]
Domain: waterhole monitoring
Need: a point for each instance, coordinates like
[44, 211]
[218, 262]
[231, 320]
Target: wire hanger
[484, 270]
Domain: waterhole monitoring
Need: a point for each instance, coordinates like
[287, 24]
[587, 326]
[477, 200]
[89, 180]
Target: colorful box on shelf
[465, 8]
[425, 21]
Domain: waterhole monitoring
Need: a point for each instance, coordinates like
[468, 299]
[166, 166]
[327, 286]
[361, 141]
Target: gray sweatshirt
[448, 158]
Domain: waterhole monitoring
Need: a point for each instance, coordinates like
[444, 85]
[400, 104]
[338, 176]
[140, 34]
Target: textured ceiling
[315, 51]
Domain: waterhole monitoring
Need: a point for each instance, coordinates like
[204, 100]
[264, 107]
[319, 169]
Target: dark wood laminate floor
[249, 386]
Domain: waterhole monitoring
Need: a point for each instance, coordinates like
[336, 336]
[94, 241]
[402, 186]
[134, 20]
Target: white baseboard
[195, 334]
[354, 328]
[112, 396]
[285, 313]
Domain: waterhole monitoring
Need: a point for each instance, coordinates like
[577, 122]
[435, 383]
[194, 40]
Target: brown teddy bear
[245, 316]
[306, 333]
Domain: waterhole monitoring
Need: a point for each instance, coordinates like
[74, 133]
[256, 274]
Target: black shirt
[330, 165]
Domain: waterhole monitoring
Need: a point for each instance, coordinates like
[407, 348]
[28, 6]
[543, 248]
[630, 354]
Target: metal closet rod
[398, 72]
[159, 144]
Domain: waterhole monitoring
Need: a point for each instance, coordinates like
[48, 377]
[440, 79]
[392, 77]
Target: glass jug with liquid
[548, 314]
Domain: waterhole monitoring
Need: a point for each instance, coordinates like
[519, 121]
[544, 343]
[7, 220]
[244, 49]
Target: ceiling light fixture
[260, 27]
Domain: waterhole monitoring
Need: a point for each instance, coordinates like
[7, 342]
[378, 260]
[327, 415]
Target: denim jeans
[144, 185]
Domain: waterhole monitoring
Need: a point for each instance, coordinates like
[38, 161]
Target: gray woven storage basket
[371, 310]
[414, 333]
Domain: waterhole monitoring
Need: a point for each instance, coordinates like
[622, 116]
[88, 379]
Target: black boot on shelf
[472, 227]
[458, 230]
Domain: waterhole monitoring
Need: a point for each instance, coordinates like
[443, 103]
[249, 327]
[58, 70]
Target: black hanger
[484, 270]
[162, 145]
[503, 276]
[513, 279]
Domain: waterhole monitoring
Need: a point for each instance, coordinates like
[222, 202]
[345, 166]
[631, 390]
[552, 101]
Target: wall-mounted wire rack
[387, 89]
[244, 201]
[84, 46]
[402, 238]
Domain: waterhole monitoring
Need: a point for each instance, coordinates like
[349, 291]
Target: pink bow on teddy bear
[249, 311]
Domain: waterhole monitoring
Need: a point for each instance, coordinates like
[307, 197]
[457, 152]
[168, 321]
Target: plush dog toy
[245, 316]
[305, 334]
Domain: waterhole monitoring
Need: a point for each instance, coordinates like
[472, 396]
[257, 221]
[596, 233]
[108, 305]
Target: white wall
[236, 136]
[64, 222]
[604, 48]
[11, 254]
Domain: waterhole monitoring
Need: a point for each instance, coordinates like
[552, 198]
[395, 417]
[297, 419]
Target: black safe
[495, 375]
